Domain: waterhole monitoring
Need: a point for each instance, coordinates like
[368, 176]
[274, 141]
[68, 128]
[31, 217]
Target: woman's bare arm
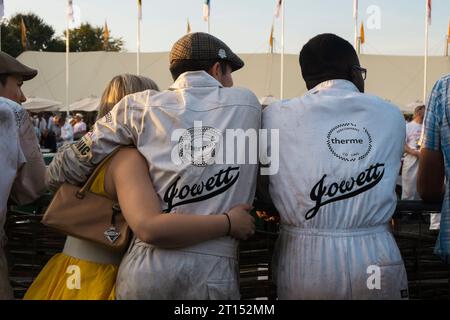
[128, 177]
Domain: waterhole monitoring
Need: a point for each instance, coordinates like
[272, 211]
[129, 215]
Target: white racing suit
[340, 154]
[22, 171]
[180, 132]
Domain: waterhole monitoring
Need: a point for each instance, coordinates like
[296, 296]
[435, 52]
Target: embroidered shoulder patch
[83, 148]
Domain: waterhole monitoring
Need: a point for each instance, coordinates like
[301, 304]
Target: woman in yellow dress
[94, 265]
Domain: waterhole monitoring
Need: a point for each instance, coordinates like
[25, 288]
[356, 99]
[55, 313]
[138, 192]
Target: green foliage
[90, 38]
[41, 37]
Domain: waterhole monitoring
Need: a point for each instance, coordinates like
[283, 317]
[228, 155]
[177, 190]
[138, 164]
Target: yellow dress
[65, 277]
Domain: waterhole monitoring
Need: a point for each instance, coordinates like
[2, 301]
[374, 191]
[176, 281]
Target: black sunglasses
[362, 70]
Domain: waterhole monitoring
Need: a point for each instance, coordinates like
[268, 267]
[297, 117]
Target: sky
[396, 27]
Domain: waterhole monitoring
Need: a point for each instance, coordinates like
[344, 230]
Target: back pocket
[394, 282]
[223, 290]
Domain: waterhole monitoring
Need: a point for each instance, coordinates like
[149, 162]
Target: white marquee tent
[398, 79]
[34, 104]
[88, 104]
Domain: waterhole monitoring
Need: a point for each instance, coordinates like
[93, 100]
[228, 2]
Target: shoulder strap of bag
[90, 181]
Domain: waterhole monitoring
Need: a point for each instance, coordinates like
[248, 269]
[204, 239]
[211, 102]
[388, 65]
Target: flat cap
[9, 65]
[203, 46]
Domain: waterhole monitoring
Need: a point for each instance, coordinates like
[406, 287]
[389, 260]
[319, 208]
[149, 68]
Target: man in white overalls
[340, 152]
[21, 164]
[179, 131]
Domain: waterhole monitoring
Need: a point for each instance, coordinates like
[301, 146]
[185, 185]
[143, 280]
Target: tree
[89, 38]
[40, 36]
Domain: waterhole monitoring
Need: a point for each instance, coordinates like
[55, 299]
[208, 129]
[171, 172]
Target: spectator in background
[434, 164]
[65, 130]
[42, 125]
[79, 127]
[411, 159]
[34, 120]
[21, 164]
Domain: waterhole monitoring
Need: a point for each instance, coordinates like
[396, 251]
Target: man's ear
[215, 71]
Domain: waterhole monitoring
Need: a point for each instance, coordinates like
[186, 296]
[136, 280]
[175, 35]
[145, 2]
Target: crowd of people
[329, 165]
[54, 129]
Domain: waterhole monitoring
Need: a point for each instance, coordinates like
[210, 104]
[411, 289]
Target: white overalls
[178, 131]
[11, 158]
[340, 154]
[22, 171]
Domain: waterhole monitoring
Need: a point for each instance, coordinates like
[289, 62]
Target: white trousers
[409, 178]
[316, 264]
[150, 273]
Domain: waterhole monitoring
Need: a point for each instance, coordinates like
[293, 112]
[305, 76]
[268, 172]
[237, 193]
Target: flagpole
[1, 23]
[426, 53]
[355, 14]
[138, 46]
[67, 67]
[282, 52]
[447, 40]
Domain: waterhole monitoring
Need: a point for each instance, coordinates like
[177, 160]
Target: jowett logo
[324, 192]
[177, 194]
[348, 142]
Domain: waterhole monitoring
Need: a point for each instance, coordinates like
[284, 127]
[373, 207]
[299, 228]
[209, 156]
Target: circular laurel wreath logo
[348, 142]
[197, 146]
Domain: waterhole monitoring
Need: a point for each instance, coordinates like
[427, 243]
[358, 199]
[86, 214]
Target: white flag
[355, 9]
[70, 16]
[278, 8]
[2, 9]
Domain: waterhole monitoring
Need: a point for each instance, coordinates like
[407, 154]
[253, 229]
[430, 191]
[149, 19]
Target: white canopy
[398, 79]
[35, 104]
[88, 104]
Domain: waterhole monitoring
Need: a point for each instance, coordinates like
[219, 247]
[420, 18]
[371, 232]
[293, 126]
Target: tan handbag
[80, 213]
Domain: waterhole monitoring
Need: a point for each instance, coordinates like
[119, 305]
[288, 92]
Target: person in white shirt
[79, 128]
[340, 152]
[66, 131]
[186, 248]
[411, 159]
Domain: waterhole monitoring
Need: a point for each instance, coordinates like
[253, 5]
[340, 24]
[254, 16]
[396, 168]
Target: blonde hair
[119, 87]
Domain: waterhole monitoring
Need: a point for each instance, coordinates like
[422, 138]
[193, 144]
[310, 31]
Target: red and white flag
[429, 11]
[355, 9]
[278, 8]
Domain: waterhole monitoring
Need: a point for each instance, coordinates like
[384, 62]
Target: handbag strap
[90, 181]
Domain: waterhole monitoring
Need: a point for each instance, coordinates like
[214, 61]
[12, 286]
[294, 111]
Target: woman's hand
[242, 223]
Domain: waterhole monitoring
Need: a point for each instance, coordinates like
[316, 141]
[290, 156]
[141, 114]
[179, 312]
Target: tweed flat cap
[203, 46]
[9, 65]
